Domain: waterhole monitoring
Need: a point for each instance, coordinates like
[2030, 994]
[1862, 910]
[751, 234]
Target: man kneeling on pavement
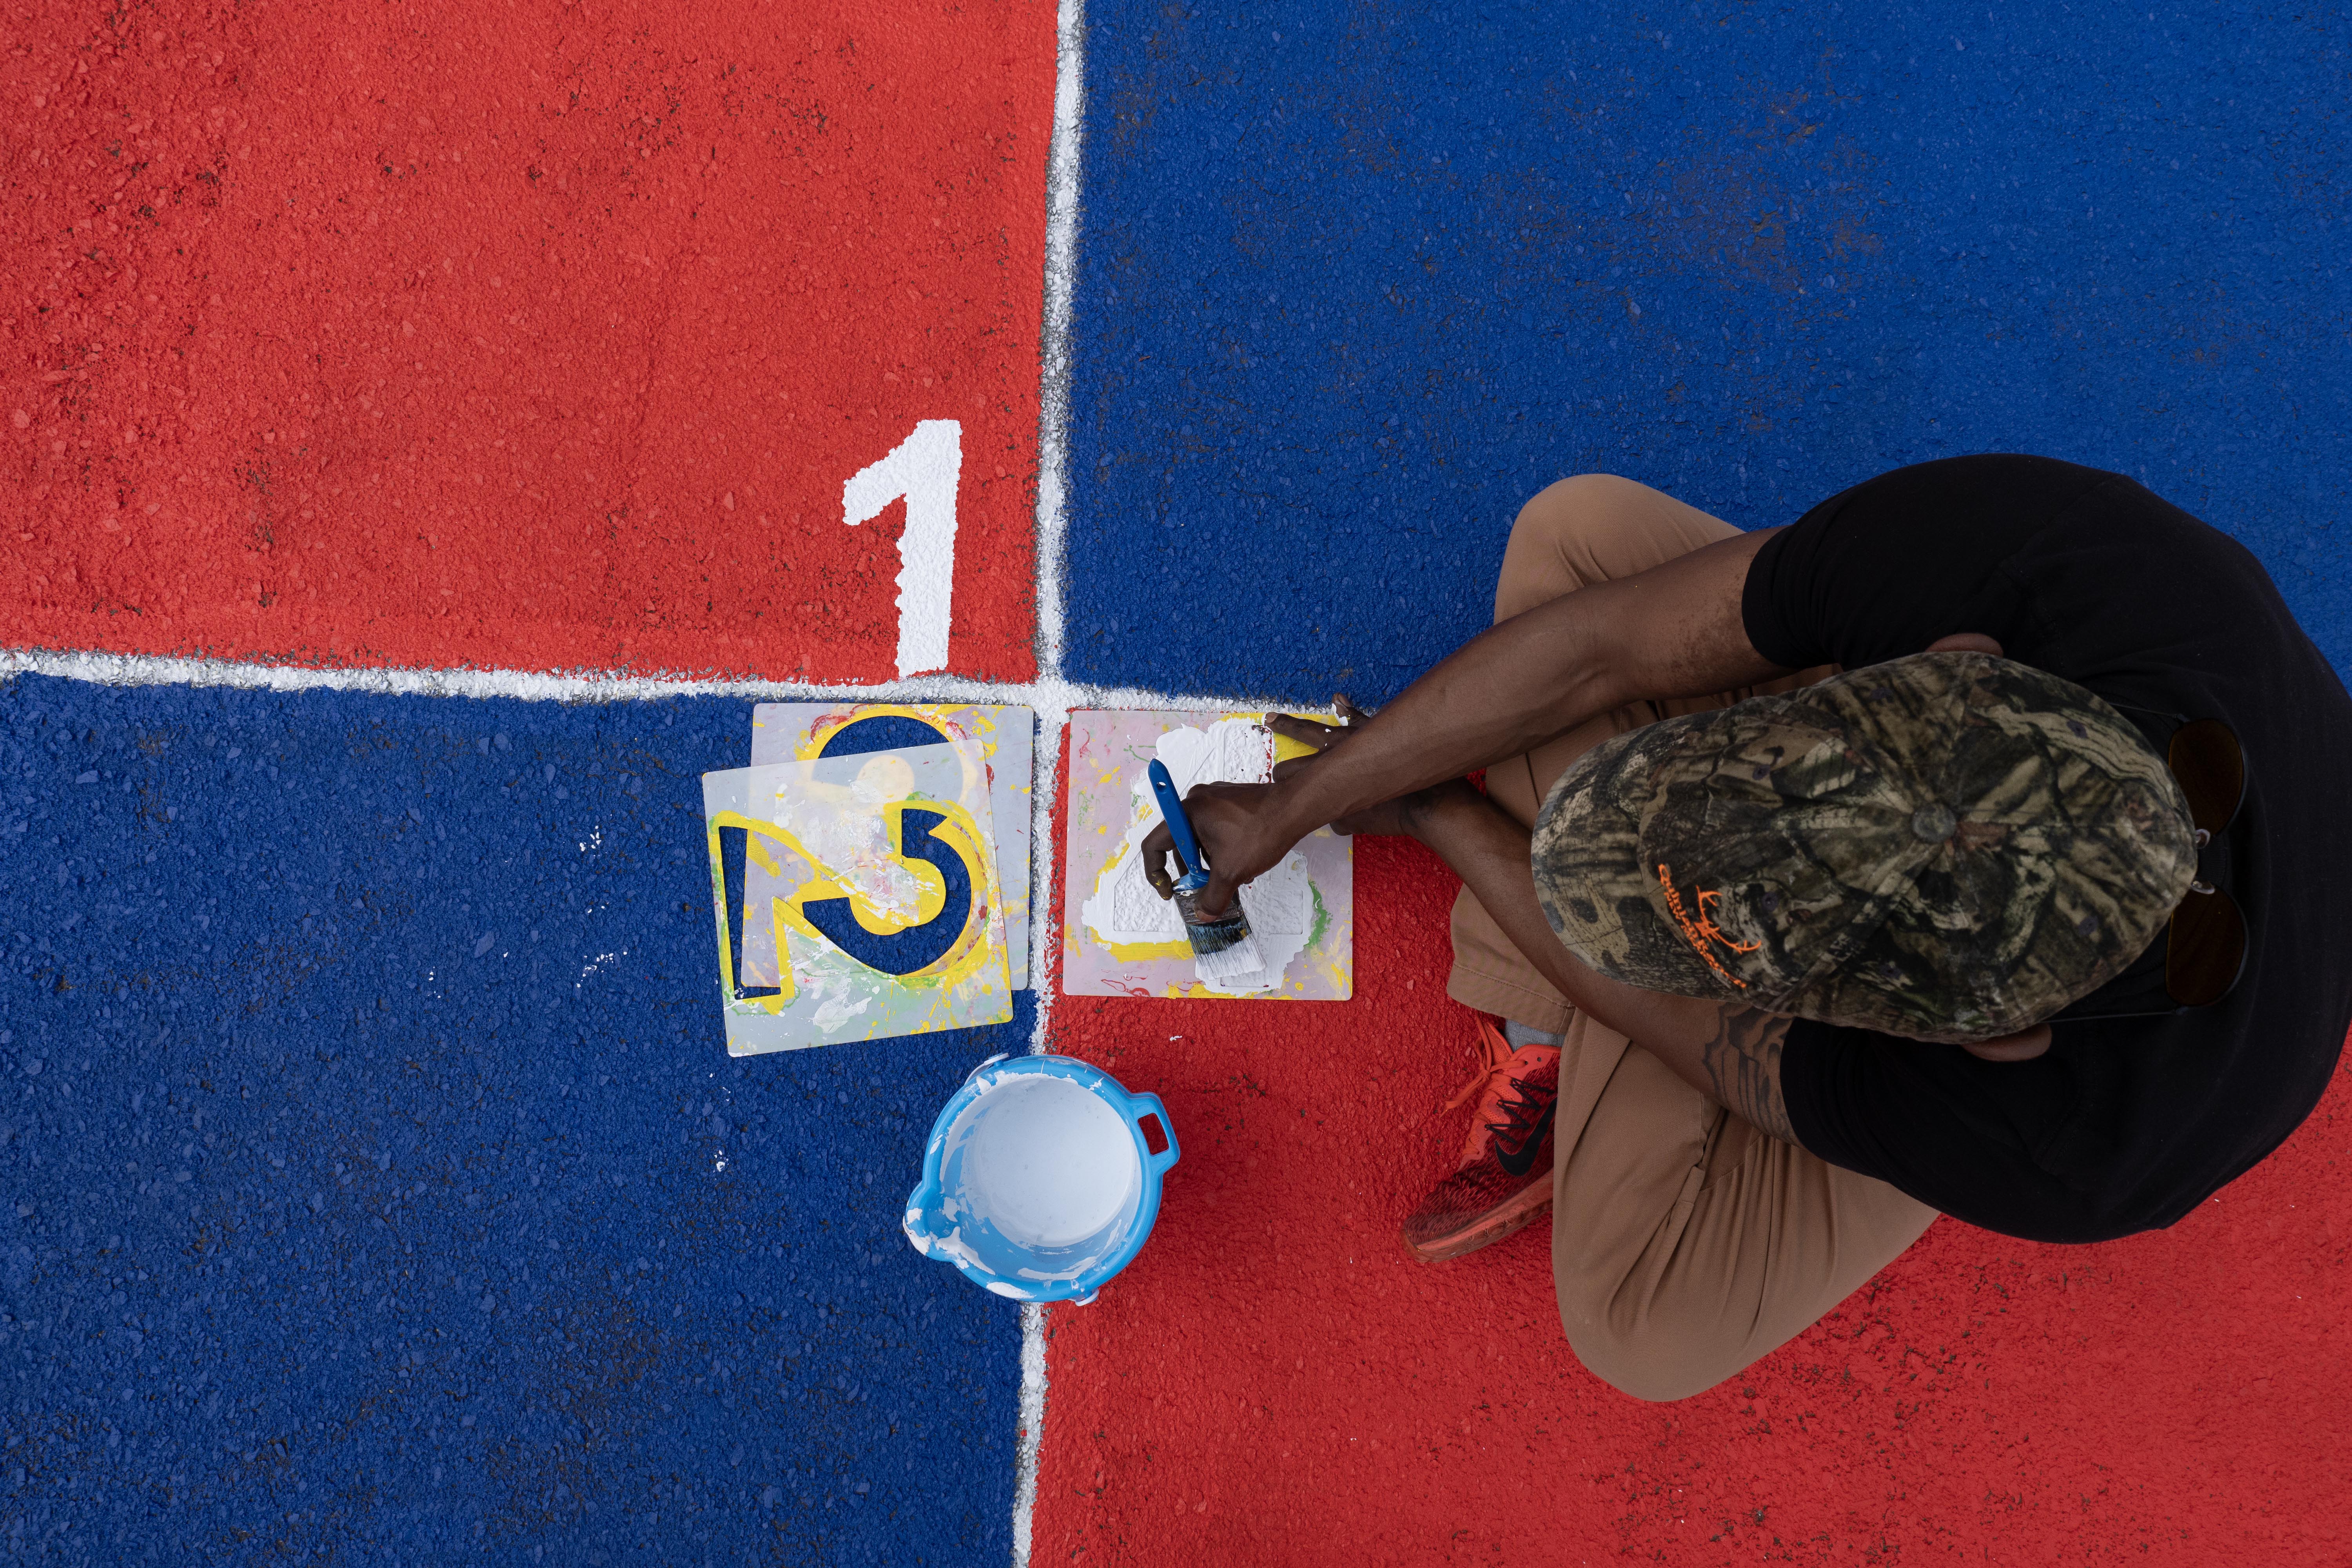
[1975, 845]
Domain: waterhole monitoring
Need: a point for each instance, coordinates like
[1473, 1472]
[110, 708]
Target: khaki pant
[1686, 1244]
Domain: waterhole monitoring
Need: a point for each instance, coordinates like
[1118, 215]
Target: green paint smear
[1322, 917]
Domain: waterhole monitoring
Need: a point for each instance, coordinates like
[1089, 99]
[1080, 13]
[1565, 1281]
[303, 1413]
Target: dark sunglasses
[2204, 950]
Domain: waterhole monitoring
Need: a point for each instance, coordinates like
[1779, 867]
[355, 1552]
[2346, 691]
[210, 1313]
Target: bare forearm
[1729, 1053]
[1738, 1062]
[1489, 852]
[1672, 631]
[1500, 694]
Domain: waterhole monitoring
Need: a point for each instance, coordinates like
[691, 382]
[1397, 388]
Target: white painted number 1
[922, 468]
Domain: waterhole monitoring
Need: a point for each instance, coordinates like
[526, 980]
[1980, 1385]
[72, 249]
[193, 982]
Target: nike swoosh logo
[1519, 1161]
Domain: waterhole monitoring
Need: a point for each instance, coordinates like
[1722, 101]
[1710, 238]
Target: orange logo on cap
[1700, 931]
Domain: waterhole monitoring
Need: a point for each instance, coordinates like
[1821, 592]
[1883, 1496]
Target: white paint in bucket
[1046, 1162]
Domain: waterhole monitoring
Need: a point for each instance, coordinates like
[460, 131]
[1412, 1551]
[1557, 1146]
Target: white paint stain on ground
[597, 963]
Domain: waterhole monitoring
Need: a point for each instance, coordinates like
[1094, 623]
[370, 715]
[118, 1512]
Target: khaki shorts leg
[1686, 1244]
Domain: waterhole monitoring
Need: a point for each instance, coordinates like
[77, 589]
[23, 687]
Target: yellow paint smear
[958, 832]
[822, 732]
[1135, 951]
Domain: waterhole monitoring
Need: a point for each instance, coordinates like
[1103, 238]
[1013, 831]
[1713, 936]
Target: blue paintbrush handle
[1180, 826]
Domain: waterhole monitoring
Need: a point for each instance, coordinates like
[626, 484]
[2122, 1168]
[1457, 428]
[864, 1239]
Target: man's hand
[1238, 833]
[1236, 836]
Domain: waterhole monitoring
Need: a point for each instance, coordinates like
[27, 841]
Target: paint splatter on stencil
[1119, 938]
[856, 898]
[995, 737]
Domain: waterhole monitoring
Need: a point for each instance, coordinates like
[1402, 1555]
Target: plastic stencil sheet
[1121, 939]
[1001, 738]
[856, 898]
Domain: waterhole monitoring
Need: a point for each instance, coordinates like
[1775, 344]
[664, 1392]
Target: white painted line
[1054, 336]
[1054, 697]
[1032, 1431]
[1061, 171]
[574, 686]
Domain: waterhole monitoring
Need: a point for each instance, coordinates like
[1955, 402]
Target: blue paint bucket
[1042, 1178]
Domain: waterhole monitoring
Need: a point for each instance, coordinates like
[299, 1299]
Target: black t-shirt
[2124, 1124]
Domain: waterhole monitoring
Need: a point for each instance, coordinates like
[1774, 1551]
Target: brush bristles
[1233, 962]
[1223, 950]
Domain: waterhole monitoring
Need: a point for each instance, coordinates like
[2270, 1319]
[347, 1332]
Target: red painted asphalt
[516, 336]
[1273, 1380]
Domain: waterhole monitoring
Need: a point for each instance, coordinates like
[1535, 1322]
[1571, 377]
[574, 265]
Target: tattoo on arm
[1743, 1061]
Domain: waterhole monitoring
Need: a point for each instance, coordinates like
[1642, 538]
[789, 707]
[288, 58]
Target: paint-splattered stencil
[856, 898]
[1119, 937]
[1001, 738]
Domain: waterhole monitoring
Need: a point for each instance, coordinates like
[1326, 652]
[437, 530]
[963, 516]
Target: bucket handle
[1141, 1107]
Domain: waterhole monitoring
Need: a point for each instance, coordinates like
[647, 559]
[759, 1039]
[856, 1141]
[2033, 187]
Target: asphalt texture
[1355, 281]
[378, 1186]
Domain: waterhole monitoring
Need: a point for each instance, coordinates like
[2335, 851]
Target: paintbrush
[1223, 949]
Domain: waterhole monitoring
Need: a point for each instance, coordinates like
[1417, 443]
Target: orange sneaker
[1505, 1178]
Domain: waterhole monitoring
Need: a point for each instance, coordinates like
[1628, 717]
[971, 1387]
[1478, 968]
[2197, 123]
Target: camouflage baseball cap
[1948, 847]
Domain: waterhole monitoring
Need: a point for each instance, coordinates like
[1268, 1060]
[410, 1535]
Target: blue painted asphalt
[1355, 281]
[376, 1183]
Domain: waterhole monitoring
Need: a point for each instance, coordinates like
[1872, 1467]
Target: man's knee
[1582, 530]
[1577, 504]
[1656, 1337]
[1651, 1360]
